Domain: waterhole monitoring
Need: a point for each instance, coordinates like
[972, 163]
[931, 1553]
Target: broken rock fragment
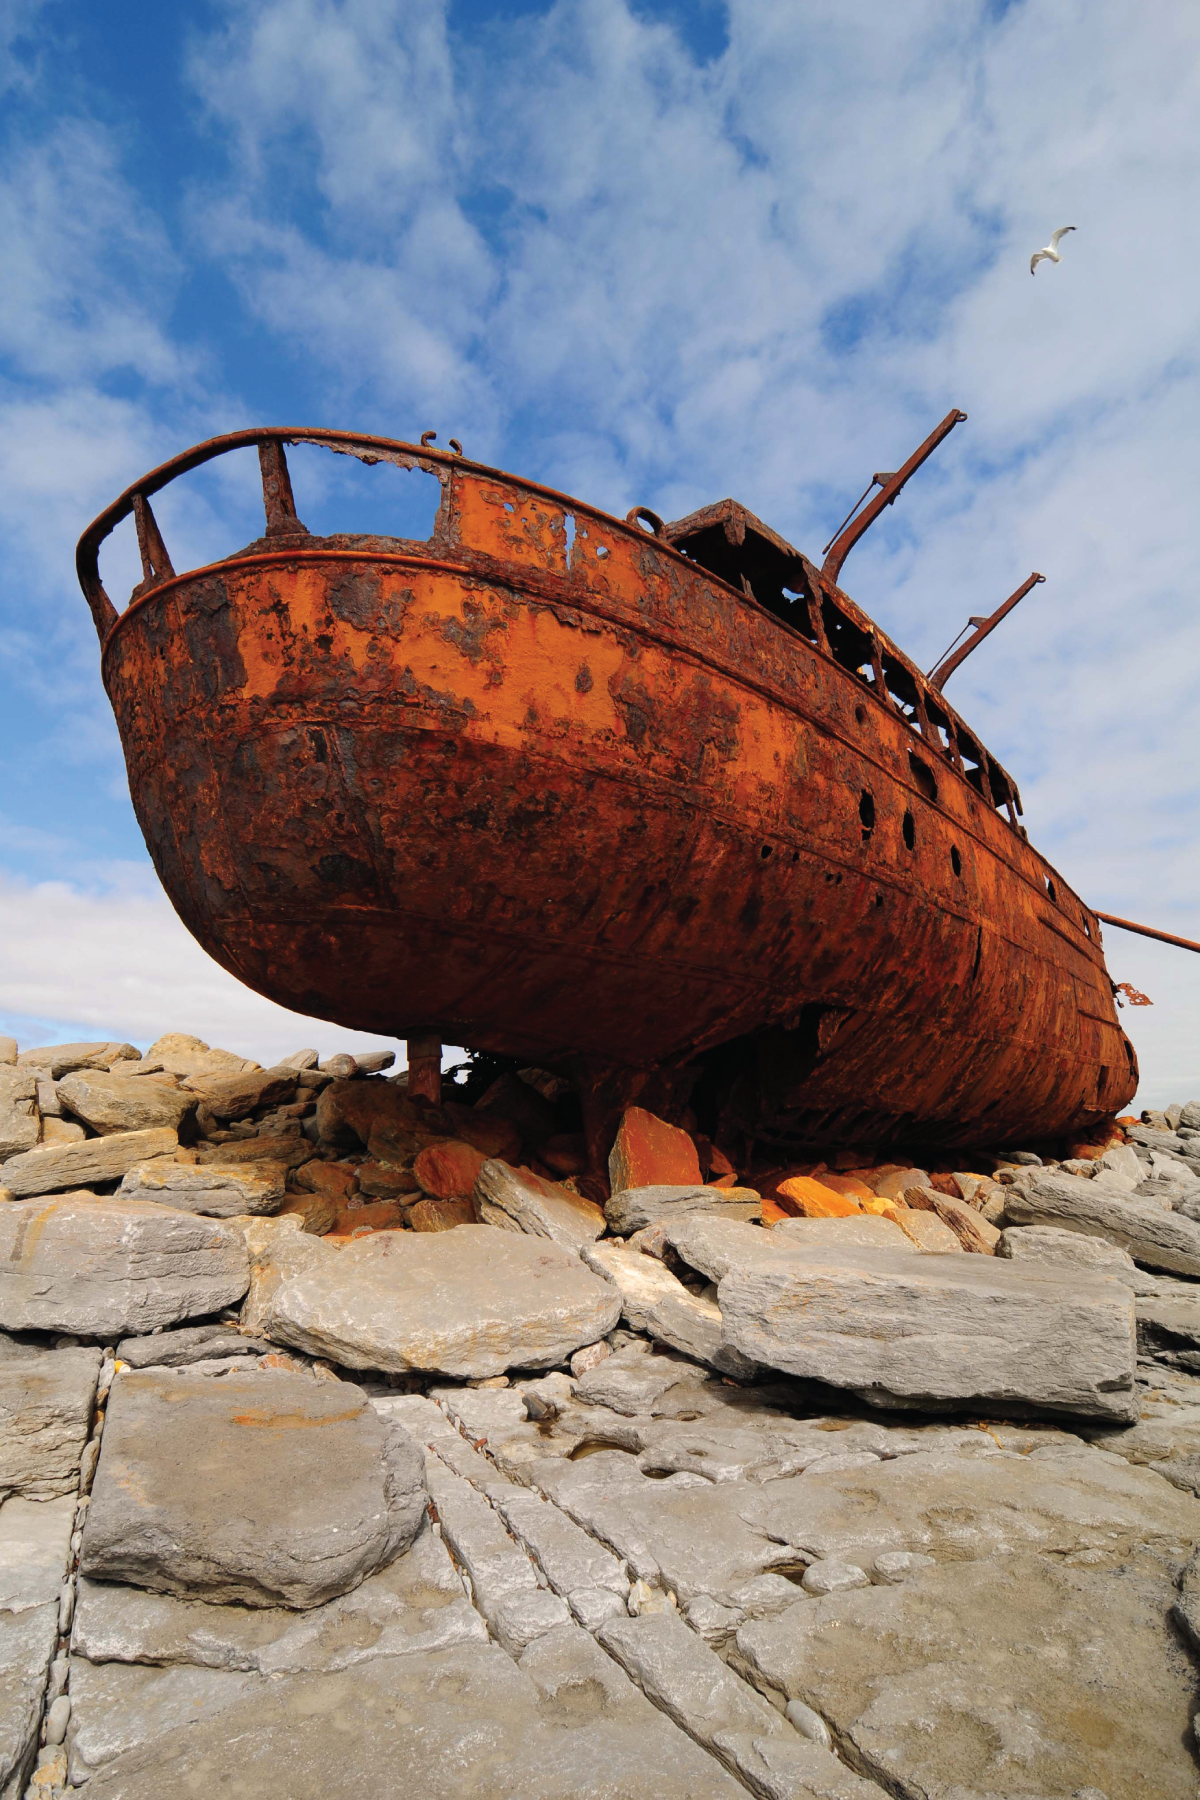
[57, 1167]
[519, 1200]
[650, 1153]
[117, 1103]
[18, 1111]
[656, 1302]
[222, 1490]
[1152, 1235]
[631, 1209]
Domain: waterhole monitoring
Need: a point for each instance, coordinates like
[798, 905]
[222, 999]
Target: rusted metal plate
[547, 786]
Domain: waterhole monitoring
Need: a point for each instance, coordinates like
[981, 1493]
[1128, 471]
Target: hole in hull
[910, 832]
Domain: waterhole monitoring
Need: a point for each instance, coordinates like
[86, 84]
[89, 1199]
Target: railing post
[278, 501]
[156, 564]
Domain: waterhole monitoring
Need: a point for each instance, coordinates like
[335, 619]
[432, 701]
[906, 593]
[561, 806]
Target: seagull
[1050, 253]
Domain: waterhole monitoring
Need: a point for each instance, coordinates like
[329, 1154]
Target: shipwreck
[653, 804]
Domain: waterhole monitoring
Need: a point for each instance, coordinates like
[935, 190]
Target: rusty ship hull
[602, 794]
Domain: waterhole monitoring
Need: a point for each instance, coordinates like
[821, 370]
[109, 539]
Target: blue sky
[655, 253]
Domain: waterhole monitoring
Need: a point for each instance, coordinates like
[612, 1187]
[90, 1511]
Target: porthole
[1051, 890]
[910, 832]
[866, 813]
[860, 715]
[765, 852]
[955, 860]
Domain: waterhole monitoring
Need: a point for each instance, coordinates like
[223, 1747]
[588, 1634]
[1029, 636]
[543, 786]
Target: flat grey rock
[630, 1209]
[714, 1244]
[190, 1344]
[35, 1550]
[19, 1121]
[1049, 1246]
[111, 1102]
[55, 1168]
[46, 1401]
[221, 1190]
[60, 1059]
[925, 1331]
[109, 1267]
[563, 1725]
[1151, 1235]
[470, 1303]
[655, 1301]
[224, 1489]
[948, 1684]
[415, 1604]
[27, 1645]
[117, 1706]
[518, 1200]
[681, 1674]
[870, 1232]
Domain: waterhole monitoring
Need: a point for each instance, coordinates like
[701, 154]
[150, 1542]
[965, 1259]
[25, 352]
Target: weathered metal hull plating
[587, 800]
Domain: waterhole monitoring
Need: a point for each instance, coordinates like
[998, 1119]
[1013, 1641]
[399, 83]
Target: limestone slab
[57, 1167]
[457, 1723]
[35, 1550]
[1152, 1236]
[46, 1401]
[938, 1331]
[221, 1190]
[469, 1303]
[223, 1490]
[27, 1644]
[971, 1671]
[869, 1232]
[100, 1266]
[190, 1344]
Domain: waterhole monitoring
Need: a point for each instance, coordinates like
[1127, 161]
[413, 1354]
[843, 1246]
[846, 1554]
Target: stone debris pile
[349, 1438]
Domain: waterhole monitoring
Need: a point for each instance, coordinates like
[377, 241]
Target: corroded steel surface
[547, 786]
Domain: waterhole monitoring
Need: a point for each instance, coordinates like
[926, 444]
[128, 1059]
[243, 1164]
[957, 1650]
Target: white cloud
[119, 964]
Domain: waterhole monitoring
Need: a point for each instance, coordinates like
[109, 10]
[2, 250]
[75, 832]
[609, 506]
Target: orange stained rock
[806, 1198]
[335, 1180]
[650, 1153]
[772, 1212]
[441, 1215]
[851, 1185]
[446, 1169]
[946, 1184]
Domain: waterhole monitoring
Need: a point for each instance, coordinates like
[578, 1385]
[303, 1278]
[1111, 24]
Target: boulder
[180, 1054]
[61, 1059]
[630, 1209]
[269, 1146]
[519, 1200]
[1050, 1246]
[446, 1169]
[530, 1114]
[56, 1167]
[113, 1103]
[46, 1400]
[890, 1182]
[1153, 1236]
[222, 1490]
[650, 1153]
[337, 1181]
[348, 1112]
[386, 1181]
[951, 1332]
[236, 1096]
[484, 1131]
[469, 1303]
[190, 1344]
[8, 1051]
[96, 1266]
[19, 1124]
[219, 1191]
[656, 1302]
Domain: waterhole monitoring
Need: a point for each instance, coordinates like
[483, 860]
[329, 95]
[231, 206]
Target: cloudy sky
[650, 253]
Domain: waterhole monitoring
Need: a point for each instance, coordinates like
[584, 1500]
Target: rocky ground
[355, 1445]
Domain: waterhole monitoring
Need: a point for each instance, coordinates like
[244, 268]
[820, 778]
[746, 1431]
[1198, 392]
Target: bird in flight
[1050, 253]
